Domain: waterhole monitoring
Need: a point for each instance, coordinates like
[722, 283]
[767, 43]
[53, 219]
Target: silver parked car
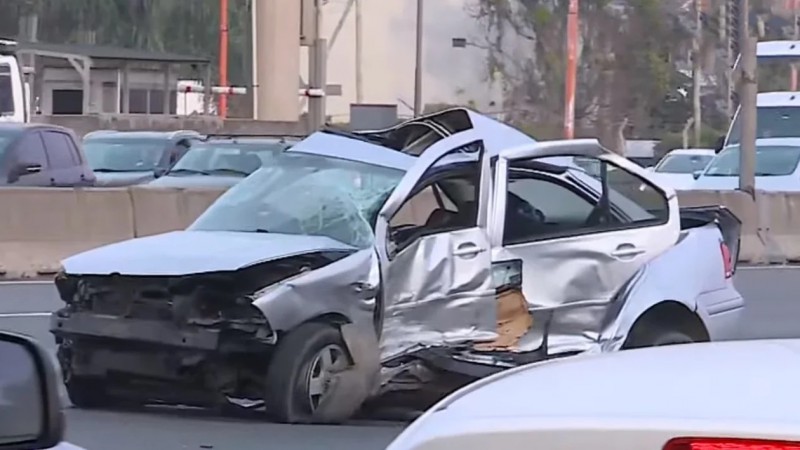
[350, 268]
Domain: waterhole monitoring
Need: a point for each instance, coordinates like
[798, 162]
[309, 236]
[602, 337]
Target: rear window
[7, 136]
[124, 154]
[773, 121]
[683, 163]
[770, 161]
[238, 157]
[6, 91]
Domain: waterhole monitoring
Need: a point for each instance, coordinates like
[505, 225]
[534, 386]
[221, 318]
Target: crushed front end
[194, 340]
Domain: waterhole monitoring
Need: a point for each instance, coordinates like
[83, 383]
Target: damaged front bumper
[162, 339]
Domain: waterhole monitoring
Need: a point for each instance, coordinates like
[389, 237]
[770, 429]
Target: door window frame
[500, 195]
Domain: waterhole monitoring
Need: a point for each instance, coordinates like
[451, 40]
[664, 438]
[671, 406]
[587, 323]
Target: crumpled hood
[191, 252]
[112, 179]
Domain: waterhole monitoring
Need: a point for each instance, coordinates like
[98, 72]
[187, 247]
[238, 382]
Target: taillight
[727, 261]
[729, 444]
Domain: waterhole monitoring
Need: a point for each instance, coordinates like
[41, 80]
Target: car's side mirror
[30, 407]
[696, 174]
[650, 168]
[159, 172]
[22, 169]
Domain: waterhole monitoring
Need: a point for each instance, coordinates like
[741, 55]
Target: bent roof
[111, 53]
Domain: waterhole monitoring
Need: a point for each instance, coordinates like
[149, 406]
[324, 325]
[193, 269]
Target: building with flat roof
[89, 79]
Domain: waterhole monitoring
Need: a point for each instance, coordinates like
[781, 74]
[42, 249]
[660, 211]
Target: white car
[712, 396]
[777, 167]
[678, 167]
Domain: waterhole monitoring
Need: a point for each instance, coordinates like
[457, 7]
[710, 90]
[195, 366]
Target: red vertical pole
[572, 69]
[223, 57]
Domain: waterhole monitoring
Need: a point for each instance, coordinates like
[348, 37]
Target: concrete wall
[105, 84]
[202, 124]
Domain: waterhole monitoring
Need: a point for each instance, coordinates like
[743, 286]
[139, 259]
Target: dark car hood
[196, 181]
[112, 179]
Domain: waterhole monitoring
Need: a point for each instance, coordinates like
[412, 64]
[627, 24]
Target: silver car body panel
[440, 290]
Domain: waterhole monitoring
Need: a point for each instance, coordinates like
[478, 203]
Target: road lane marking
[26, 282]
[24, 314]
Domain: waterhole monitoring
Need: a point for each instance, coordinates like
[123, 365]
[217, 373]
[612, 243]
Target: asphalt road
[772, 311]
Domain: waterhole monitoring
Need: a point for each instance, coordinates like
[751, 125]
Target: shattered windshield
[305, 194]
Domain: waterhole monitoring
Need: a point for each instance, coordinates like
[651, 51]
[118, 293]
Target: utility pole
[418, 64]
[223, 57]
[748, 93]
[571, 75]
[697, 74]
[317, 79]
[359, 55]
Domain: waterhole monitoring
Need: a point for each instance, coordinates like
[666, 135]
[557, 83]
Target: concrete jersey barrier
[41, 226]
[770, 222]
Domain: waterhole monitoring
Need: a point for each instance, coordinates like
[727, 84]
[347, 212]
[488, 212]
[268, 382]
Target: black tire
[288, 397]
[87, 393]
[658, 337]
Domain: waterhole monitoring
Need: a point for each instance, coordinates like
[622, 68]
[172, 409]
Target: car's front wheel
[302, 377]
[87, 393]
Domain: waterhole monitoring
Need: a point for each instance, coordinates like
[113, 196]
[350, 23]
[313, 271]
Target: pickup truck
[419, 258]
[14, 92]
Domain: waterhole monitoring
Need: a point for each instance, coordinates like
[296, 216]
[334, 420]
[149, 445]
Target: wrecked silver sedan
[416, 258]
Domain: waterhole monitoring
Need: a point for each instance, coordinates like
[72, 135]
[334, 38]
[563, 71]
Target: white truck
[14, 92]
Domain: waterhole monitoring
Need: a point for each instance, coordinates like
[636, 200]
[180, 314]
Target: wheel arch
[668, 314]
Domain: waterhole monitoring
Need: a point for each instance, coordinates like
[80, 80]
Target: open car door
[433, 247]
[579, 237]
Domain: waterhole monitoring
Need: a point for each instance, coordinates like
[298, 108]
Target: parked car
[349, 268]
[719, 395]
[677, 168]
[42, 155]
[222, 161]
[124, 158]
[777, 167]
[778, 115]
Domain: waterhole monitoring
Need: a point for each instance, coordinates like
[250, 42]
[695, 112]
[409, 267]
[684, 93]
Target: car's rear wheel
[301, 375]
[658, 337]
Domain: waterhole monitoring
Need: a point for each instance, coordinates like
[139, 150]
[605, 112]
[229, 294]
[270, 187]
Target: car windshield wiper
[107, 170]
[188, 171]
[229, 171]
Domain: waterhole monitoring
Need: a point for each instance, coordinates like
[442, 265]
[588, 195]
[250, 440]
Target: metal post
[572, 70]
[317, 80]
[318, 68]
[223, 56]
[795, 7]
[166, 100]
[748, 93]
[697, 74]
[418, 65]
[359, 55]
